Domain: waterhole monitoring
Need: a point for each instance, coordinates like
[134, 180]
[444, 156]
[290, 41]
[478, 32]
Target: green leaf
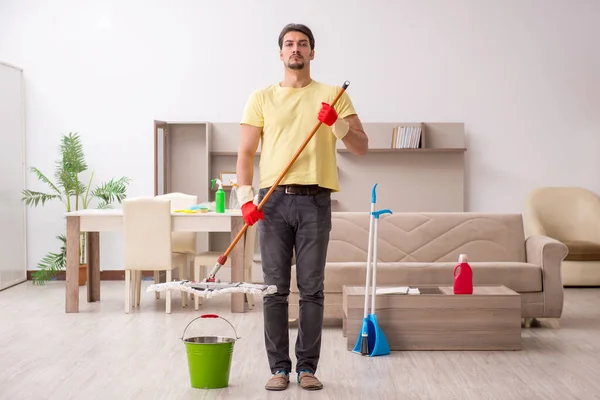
[111, 191]
[102, 205]
[72, 154]
[33, 198]
[45, 179]
[51, 264]
[87, 191]
[70, 166]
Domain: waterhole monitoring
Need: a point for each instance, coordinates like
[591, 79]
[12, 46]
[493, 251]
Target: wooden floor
[102, 353]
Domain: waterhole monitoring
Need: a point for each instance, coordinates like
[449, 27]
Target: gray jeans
[301, 223]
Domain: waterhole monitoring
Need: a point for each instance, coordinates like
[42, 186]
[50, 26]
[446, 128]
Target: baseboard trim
[114, 275]
[110, 275]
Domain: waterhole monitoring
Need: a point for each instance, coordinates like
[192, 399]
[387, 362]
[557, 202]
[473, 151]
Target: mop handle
[285, 171]
[376, 215]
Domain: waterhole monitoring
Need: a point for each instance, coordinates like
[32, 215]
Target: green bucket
[209, 357]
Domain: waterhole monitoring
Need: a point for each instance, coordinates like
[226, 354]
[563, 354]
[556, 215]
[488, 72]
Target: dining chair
[147, 244]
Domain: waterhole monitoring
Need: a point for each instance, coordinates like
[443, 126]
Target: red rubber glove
[251, 214]
[327, 115]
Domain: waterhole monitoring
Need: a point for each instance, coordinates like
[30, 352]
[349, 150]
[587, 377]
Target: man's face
[295, 51]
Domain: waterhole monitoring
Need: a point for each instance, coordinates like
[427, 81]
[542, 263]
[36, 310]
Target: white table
[111, 220]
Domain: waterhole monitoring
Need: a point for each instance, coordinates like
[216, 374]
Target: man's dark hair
[297, 28]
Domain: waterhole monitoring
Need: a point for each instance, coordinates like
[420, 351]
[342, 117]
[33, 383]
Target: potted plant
[71, 190]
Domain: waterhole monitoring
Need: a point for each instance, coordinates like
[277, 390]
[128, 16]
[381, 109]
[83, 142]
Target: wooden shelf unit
[182, 162]
[189, 154]
[429, 178]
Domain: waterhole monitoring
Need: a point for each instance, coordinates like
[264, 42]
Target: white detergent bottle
[233, 200]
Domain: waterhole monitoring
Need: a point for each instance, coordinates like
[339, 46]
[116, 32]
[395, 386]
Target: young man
[297, 216]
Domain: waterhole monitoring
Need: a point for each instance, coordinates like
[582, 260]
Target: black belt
[306, 190]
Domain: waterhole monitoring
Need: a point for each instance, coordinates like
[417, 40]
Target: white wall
[523, 76]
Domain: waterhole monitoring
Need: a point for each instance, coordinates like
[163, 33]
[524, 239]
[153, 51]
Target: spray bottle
[219, 196]
[233, 200]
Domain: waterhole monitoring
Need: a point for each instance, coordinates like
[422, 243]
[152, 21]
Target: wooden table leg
[93, 266]
[72, 268]
[237, 263]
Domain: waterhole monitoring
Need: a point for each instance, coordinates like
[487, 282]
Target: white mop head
[210, 289]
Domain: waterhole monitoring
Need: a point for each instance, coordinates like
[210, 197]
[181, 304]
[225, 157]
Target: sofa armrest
[549, 254]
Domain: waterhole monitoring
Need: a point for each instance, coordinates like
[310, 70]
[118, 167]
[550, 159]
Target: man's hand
[329, 117]
[251, 214]
[245, 195]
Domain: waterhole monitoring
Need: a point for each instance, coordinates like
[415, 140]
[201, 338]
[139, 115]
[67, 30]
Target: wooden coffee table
[437, 319]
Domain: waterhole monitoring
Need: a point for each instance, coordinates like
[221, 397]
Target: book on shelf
[408, 137]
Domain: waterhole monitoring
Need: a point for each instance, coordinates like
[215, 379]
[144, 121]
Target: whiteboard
[13, 249]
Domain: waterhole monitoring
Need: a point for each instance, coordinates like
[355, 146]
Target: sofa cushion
[581, 250]
[518, 276]
[429, 237]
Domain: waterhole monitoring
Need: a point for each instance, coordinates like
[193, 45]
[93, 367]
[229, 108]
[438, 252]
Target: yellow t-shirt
[287, 116]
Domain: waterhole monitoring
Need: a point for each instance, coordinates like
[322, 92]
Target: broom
[378, 344]
[371, 340]
[362, 342]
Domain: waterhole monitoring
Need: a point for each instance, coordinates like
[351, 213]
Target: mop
[371, 339]
[210, 289]
[210, 286]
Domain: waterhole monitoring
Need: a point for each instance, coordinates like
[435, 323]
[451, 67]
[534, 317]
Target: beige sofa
[423, 248]
[572, 216]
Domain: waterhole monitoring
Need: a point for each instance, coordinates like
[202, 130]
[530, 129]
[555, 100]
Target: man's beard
[296, 64]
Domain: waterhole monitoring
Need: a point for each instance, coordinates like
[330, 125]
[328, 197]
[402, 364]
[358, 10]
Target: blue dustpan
[371, 339]
[378, 344]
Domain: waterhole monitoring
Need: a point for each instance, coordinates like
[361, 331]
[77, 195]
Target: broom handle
[285, 171]
[377, 214]
[369, 259]
[374, 271]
